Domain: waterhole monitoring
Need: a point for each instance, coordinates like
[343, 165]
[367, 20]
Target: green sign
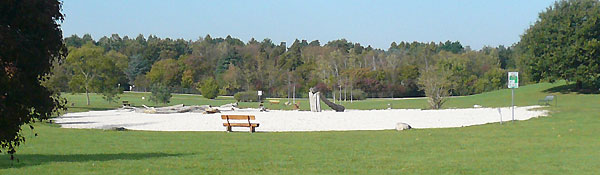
[513, 80]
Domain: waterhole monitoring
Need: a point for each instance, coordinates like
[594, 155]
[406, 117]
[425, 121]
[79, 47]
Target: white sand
[296, 120]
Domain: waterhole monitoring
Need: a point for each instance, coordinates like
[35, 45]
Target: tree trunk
[340, 99]
[351, 88]
[374, 68]
[333, 92]
[87, 95]
[345, 93]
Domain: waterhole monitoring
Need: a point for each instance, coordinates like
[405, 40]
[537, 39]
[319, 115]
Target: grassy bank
[566, 142]
[524, 96]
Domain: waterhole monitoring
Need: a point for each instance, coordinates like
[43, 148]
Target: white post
[513, 103]
[513, 82]
[318, 101]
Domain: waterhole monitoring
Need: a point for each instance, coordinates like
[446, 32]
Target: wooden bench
[546, 100]
[228, 124]
[274, 101]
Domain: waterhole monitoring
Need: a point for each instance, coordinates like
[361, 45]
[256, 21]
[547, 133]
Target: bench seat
[241, 124]
[240, 121]
[546, 100]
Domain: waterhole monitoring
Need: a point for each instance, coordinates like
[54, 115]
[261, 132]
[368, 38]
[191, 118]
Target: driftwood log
[336, 107]
[177, 109]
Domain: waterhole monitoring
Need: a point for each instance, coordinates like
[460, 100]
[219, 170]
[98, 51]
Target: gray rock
[402, 126]
[119, 128]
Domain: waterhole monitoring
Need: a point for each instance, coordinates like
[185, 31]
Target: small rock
[477, 106]
[118, 129]
[402, 126]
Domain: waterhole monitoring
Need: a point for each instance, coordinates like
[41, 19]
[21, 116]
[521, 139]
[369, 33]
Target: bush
[248, 96]
[357, 94]
[160, 94]
[209, 88]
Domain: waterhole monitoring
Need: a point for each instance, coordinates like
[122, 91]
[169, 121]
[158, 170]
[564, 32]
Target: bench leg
[251, 129]
[228, 128]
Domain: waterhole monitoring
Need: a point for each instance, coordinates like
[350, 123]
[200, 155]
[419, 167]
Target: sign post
[259, 94]
[513, 83]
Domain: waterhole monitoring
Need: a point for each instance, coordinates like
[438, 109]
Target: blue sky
[375, 23]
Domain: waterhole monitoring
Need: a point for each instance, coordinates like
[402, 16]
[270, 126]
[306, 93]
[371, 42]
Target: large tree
[30, 40]
[96, 71]
[564, 43]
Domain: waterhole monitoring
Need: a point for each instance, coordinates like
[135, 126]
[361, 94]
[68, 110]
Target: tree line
[336, 68]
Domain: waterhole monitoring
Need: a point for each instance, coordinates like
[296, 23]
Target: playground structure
[315, 105]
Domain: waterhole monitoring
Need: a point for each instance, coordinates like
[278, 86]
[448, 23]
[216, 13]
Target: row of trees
[113, 64]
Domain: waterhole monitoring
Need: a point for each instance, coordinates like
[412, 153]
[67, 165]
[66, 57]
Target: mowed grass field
[524, 96]
[566, 142]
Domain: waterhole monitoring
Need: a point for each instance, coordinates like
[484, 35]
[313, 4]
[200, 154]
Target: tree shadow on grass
[24, 160]
[569, 88]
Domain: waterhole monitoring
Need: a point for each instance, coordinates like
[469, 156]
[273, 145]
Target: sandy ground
[296, 120]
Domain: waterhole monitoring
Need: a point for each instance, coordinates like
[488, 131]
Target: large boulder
[402, 126]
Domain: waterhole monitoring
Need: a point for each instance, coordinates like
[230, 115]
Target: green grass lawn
[566, 142]
[524, 96]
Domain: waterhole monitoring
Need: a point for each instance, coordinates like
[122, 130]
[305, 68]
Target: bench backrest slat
[238, 117]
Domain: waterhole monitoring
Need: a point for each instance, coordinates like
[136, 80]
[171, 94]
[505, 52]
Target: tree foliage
[160, 93]
[165, 71]
[278, 70]
[30, 41]
[209, 88]
[564, 43]
[93, 70]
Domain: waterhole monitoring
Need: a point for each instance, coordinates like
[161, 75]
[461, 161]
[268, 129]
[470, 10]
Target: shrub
[160, 94]
[248, 96]
[209, 88]
[357, 94]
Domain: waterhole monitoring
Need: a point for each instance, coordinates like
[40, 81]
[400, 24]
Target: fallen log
[176, 109]
[336, 107]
